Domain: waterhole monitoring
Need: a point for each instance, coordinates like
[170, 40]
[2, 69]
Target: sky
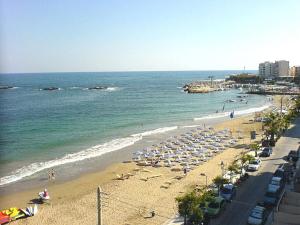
[146, 35]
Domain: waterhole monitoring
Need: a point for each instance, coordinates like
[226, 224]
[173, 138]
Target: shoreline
[100, 163]
[81, 191]
[110, 159]
[71, 171]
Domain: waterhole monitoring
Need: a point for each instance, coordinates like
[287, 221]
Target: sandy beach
[128, 201]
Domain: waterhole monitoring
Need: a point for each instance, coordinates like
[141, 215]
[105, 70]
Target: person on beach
[49, 175]
[45, 193]
[52, 174]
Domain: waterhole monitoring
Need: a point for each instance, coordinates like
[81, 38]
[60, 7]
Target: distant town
[272, 78]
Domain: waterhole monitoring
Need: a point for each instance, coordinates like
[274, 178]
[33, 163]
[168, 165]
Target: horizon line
[126, 71]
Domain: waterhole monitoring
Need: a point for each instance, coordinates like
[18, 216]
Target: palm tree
[219, 181]
[254, 147]
[273, 124]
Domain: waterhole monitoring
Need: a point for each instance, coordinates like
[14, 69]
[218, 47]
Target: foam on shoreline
[92, 152]
[107, 147]
[236, 113]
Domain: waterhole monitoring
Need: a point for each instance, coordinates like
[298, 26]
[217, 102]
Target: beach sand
[127, 201]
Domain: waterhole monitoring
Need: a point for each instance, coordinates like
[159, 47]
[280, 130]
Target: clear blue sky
[121, 35]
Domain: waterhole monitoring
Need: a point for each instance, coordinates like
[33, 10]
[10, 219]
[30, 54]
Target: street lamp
[204, 175]
[222, 167]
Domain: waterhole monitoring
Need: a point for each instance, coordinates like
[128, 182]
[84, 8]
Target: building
[272, 70]
[266, 69]
[295, 71]
[281, 68]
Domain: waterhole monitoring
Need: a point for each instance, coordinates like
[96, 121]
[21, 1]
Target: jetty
[206, 86]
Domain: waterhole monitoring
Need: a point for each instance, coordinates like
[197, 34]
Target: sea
[42, 129]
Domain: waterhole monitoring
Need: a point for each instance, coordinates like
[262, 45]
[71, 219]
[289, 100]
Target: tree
[220, 181]
[196, 216]
[187, 205]
[272, 123]
[234, 168]
[254, 147]
[296, 106]
[246, 158]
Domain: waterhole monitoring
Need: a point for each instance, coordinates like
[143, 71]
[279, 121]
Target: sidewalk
[175, 221]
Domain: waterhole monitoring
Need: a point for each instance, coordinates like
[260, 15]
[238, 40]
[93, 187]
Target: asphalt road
[252, 191]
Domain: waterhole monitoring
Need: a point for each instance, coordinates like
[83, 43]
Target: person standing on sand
[49, 175]
[52, 174]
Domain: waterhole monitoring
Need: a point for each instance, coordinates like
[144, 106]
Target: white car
[258, 216]
[254, 165]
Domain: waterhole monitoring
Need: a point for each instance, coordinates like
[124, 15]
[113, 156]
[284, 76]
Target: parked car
[215, 207]
[293, 155]
[228, 192]
[257, 216]
[213, 189]
[254, 165]
[277, 181]
[271, 197]
[279, 173]
[266, 152]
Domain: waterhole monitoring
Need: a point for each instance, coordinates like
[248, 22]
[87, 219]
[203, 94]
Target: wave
[110, 146]
[156, 131]
[110, 89]
[191, 126]
[236, 113]
[92, 152]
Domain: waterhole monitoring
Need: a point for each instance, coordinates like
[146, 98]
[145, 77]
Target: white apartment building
[266, 69]
[278, 69]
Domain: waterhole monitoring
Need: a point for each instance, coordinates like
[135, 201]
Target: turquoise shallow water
[42, 129]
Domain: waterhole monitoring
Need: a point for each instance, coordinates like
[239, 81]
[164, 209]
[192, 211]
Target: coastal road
[252, 190]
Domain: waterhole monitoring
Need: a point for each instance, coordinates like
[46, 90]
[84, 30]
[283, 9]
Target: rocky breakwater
[205, 86]
[191, 88]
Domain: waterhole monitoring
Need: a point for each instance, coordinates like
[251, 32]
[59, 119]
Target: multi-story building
[295, 71]
[271, 70]
[281, 68]
[266, 69]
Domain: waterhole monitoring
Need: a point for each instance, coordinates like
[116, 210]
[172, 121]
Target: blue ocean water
[42, 129]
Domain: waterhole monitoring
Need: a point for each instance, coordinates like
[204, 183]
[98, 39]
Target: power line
[138, 207]
[134, 200]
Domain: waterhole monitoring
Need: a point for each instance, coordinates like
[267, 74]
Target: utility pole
[281, 105]
[99, 206]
